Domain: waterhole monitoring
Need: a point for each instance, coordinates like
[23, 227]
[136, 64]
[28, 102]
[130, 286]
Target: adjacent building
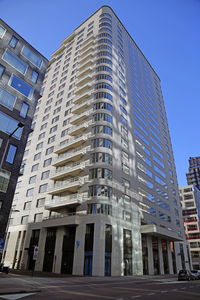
[99, 193]
[190, 201]
[193, 175]
[22, 70]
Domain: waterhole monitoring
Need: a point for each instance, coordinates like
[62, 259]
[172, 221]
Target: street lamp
[19, 125]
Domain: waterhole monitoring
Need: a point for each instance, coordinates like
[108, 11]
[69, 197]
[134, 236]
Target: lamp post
[19, 125]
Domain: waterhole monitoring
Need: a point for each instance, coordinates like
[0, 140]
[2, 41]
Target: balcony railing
[71, 169]
[73, 155]
[69, 200]
[72, 185]
[77, 129]
[71, 143]
[81, 106]
[80, 117]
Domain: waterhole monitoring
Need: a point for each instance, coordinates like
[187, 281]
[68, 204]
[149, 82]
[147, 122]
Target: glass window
[32, 57]
[29, 192]
[47, 162]
[2, 31]
[45, 175]
[38, 217]
[4, 180]
[49, 150]
[15, 61]
[11, 154]
[40, 202]
[13, 42]
[8, 125]
[27, 205]
[24, 110]
[34, 76]
[2, 69]
[32, 179]
[21, 86]
[43, 188]
[37, 156]
[7, 99]
[24, 220]
[34, 168]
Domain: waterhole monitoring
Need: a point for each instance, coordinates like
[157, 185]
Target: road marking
[16, 296]
[136, 296]
[86, 294]
[189, 293]
[163, 291]
[135, 289]
[151, 294]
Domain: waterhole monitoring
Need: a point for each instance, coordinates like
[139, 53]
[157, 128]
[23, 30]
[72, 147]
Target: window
[43, 188]
[49, 150]
[4, 180]
[2, 69]
[43, 126]
[100, 190]
[31, 56]
[24, 110]
[45, 175]
[21, 86]
[53, 129]
[34, 168]
[32, 179]
[15, 61]
[37, 156]
[2, 31]
[7, 99]
[39, 146]
[11, 154]
[29, 192]
[8, 125]
[51, 139]
[40, 202]
[34, 76]
[47, 162]
[99, 142]
[13, 42]
[100, 173]
[41, 136]
[27, 205]
[38, 217]
[24, 220]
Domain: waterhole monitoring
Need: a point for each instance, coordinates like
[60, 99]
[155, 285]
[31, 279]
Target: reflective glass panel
[15, 62]
[21, 86]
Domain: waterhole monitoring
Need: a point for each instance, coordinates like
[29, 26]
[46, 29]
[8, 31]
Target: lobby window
[8, 125]
[32, 57]
[2, 31]
[13, 42]
[7, 99]
[2, 69]
[11, 154]
[43, 188]
[34, 76]
[15, 62]
[24, 110]
[21, 86]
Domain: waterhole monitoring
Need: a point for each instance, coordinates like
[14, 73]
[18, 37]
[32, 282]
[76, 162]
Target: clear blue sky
[168, 33]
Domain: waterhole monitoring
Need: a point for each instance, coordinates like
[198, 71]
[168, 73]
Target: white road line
[151, 294]
[163, 291]
[136, 296]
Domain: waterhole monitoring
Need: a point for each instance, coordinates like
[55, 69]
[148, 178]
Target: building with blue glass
[99, 195]
[22, 70]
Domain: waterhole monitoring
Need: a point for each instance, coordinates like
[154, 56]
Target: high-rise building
[22, 69]
[190, 201]
[99, 194]
[193, 175]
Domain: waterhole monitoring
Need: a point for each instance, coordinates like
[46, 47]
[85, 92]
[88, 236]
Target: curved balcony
[84, 66]
[84, 88]
[74, 155]
[71, 143]
[82, 97]
[83, 73]
[71, 185]
[87, 51]
[72, 169]
[85, 79]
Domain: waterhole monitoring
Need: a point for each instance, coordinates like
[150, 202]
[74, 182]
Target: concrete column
[169, 255]
[58, 250]
[117, 264]
[78, 264]
[98, 248]
[41, 246]
[150, 255]
[160, 254]
[137, 252]
[178, 256]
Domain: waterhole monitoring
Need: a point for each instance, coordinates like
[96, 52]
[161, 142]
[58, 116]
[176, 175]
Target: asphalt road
[85, 288]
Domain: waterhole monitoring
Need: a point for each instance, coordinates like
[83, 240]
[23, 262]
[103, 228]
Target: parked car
[4, 269]
[185, 275]
[195, 274]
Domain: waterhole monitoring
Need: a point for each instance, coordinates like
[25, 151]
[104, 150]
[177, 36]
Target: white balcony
[84, 88]
[86, 59]
[77, 129]
[81, 106]
[87, 42]
[74, 155]
[71, 143]
[71, 185]
[80, 117]
[85, 66]
[83, 73]
[87, 51]
[71, 169]
[59, 202]
[84, 79]
[84, 96]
